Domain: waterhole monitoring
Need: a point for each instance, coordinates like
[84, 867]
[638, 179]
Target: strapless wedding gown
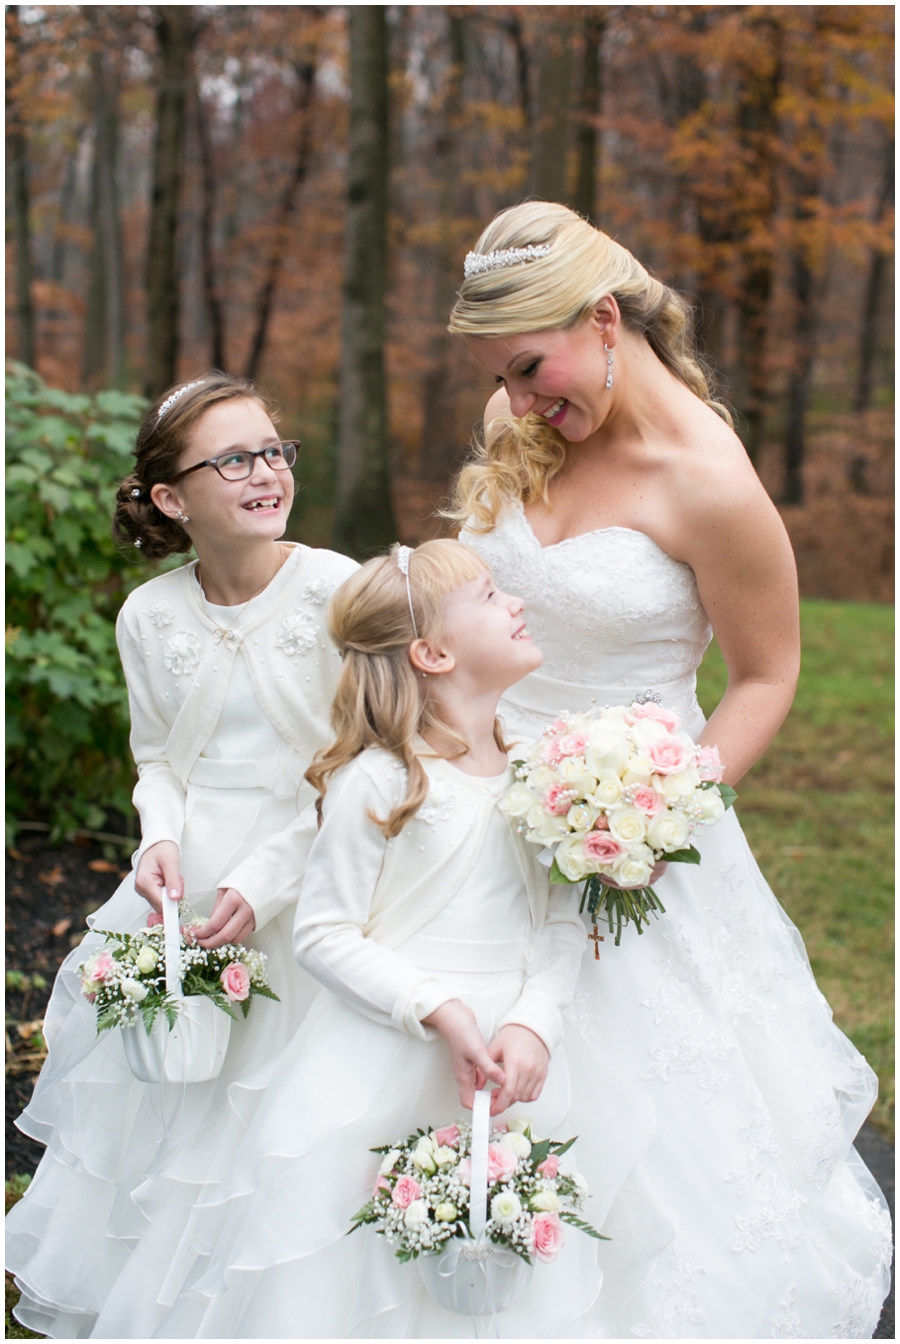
[714, 1013]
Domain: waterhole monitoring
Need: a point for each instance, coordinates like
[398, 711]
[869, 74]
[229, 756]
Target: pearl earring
[183, 518]
[609, 364]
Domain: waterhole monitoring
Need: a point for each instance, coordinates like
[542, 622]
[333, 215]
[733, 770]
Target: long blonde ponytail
[380, 701]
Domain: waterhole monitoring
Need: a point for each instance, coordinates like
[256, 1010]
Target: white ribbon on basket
[172, 945]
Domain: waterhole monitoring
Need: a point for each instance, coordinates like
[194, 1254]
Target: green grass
[818, 812]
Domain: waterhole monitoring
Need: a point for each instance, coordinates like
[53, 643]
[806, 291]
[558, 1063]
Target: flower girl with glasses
[231, 675]
[448, 961]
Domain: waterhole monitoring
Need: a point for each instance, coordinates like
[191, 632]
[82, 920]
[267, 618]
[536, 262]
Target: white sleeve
[158, 795]
[334, 906]
[271, 877]
[557, 952]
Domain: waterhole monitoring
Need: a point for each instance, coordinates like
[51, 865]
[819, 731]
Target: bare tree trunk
[18, 167]
[66, 202]
[588, 162]
[306, 82]
[105, 333]
[364, 516]
[440, 443]
[806, 305]
[207, 243]
[175, 33]
[551, 140]
[878, 267]
[513, 26]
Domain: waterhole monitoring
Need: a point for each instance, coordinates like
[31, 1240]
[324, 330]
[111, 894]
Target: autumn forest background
[289, 192]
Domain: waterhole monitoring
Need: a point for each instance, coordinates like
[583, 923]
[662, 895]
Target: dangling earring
[609, 364]
[183, 518]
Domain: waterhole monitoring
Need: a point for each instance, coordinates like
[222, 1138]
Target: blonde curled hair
[519, 458]
[380, 700]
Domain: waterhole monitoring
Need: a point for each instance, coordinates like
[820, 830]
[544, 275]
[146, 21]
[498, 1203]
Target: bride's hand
[158, 872]
[469, 1058]
[657, 873]
[231, 921]
[525, 1060]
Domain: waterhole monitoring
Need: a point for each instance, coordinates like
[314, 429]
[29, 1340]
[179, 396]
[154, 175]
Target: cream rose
[647, 730]
[389, 1161]
[635, 868]
[710, 804]
[543, 828]
[581, 816]
[571, 859]
[669, 831]
[444, 1157]
[572, 771]
[678, 787]
[606, 750]
[446, 1213]
[627, 824]
[545, 1201]
[147, 960]
[607, 790]
[542, 777]
[423, 1156]
[519, 1124]
[518, 802]
[640, 770]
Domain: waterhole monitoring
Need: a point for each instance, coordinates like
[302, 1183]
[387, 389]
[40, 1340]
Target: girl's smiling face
[560, 375]
[484, 638]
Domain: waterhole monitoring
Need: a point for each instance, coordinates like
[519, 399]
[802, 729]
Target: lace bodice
[610, 609]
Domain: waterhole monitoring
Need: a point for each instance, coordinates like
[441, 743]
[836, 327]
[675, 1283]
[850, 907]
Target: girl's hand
[658, 871]
[231, 921]
[158, 872]
[469, 1058]
[525, 1060]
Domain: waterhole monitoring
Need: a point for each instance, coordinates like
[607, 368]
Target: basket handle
[478, 1189]
[172, 945]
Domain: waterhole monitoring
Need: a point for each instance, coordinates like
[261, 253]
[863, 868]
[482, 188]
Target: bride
[613, 494]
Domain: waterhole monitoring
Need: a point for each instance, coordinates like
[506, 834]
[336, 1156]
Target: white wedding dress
[713, 1012]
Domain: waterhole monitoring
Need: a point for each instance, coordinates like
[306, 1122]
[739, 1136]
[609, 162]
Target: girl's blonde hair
[519, 458]
[381, 700]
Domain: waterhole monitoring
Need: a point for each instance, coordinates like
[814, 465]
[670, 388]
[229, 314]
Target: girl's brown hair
[381, 700]
[161, 440]
[519, 458]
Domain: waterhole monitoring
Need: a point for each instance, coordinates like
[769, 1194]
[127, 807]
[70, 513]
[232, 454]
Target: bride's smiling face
[560, 375]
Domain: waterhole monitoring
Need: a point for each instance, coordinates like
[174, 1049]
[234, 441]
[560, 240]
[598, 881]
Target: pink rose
[602, 823]
[558, 799]
[573, 744]
[464, 1171]
[709, 764]
[669, 756]
[448, 1137]
[502, 1162]
[549, 1166]
[548, 1234]
[405, 1191]
[648, 801]
[102, 969]
[602, 847]
[381, 1184]
[153, 919]
[236, 981]
[552, 754]
[501, 1127]
[557, 726]
[667, 717]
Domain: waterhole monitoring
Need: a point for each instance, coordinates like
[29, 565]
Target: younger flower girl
[447, 960]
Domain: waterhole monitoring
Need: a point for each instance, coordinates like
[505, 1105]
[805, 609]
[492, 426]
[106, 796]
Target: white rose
[710, 804]
[543, 828]
[416, 1214]
[640, 769]
[581, 816]
[613, 716]
[134, 990]
[518, 802]
[516, 1143]
[545, 1201]
[669, 831]
[446, 1213]
[423, 1156]
[634, 868]
[541, 778]
[572, 771]
[572, 861]
[606, 750]
[645, 730]
[678, 787]
[389, 1162]
[147, 960]
[519, 1124]
[505, 1207]
[627, 824]
[445, 1157]
[607, 790]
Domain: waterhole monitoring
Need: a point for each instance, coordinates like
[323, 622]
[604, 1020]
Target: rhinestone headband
[170, 401]
[476, 262]
[403, 558]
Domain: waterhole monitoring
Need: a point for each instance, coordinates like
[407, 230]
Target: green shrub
[67, 709]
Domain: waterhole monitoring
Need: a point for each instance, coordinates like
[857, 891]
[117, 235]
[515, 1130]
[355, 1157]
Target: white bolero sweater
[178, 665]
[363, 896]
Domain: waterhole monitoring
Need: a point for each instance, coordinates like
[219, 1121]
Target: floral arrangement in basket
[126, 978]
[422, 1194]
[611, 793]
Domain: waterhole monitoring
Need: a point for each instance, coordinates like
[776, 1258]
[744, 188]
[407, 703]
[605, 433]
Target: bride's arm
[738, 548]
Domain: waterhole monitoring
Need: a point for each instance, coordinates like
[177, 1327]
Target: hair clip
[403, 557]
[135, 494]
[170, 401]
[476, 262]
[138, 543]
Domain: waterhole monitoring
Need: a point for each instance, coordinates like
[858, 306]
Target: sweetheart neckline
[594, 532]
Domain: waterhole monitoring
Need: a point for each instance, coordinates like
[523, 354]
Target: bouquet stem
[620, 904]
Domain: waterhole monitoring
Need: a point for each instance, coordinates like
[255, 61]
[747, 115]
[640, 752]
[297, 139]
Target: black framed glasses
[238, 464]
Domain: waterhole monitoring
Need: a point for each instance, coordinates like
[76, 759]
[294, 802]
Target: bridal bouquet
[421, 1197]
[611, 793]
[126, 980]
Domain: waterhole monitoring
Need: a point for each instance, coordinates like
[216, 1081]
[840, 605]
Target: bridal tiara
[403, 558]
[476, 262]
[170, 401]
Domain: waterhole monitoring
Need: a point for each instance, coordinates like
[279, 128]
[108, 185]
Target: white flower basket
[194, 1050]
[477, 1277]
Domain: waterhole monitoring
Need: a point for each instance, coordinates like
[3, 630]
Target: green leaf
[559, 877]
[727, 794]
[540, 1151]
[690, 855]
[567, 1216]
[560, 1148]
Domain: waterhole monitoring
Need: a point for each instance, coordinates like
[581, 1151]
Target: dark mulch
[51, 889]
